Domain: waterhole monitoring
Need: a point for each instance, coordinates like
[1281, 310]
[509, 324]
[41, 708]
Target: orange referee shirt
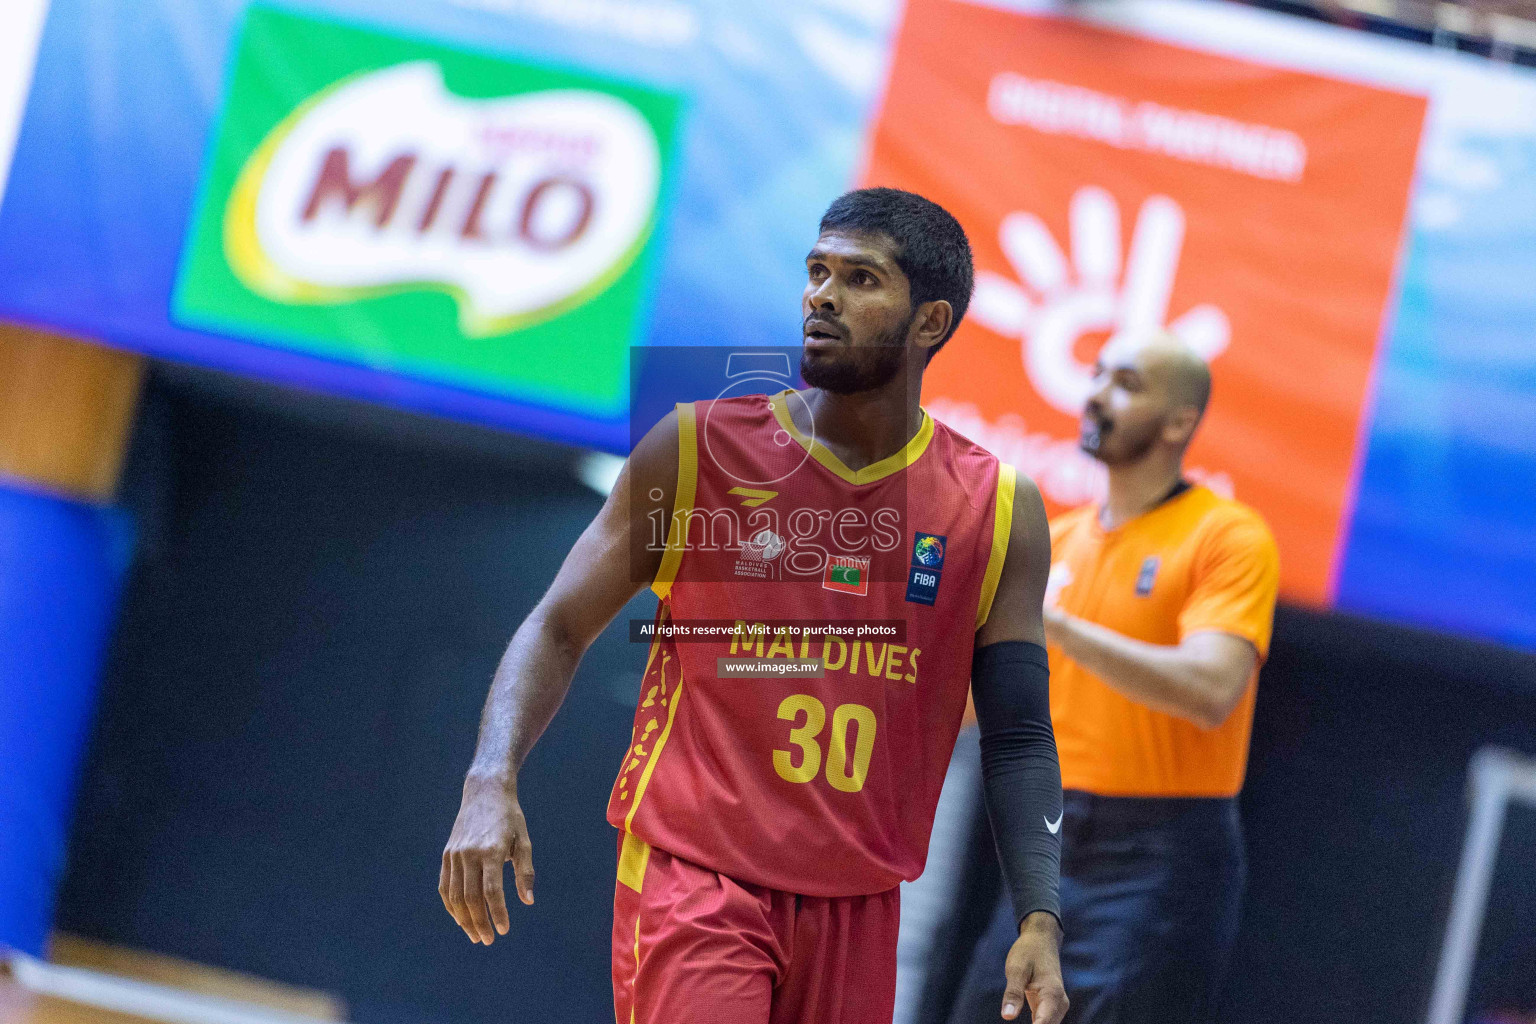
[1196, 562]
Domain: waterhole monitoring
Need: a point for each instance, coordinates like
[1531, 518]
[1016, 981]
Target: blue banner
[761, 115]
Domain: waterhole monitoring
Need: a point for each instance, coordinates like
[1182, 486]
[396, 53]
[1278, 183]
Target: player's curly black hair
[931, 247]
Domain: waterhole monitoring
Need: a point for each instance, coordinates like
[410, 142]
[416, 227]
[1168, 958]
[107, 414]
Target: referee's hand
[1034, 971]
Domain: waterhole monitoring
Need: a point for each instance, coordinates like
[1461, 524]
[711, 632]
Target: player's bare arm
[1201, 679]
[1033, 966]
[1018, 605]
[597, 579]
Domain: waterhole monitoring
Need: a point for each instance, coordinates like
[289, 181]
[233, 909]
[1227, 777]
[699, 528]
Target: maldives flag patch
[848, 574]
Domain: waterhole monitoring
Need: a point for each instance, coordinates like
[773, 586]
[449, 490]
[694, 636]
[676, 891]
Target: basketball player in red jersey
[766, 820]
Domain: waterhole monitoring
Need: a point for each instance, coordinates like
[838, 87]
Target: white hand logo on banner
[1061, 304]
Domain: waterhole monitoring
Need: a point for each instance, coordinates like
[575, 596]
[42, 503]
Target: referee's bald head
[1150, 390]
[1180, 369]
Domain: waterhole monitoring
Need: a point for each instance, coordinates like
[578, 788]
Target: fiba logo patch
[926, 570]
[1147, 576]
[928, 550]
[757, 553]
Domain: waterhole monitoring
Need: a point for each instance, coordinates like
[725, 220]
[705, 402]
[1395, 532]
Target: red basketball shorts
[692, 946]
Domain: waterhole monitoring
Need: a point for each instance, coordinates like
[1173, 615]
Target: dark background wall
[1355, 811]
[320, 594]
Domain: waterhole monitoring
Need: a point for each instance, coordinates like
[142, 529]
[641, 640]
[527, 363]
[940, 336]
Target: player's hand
[489, 831]
[1034, 971]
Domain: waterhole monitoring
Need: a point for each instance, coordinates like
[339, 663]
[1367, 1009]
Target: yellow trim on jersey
[633, 858]
[1002, 529]
[869, 474]
[634, 987]
[651, 654]
[661, 741]
[682, 504]
[628, 753]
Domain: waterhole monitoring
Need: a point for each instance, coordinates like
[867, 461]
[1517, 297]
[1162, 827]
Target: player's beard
[859, 368]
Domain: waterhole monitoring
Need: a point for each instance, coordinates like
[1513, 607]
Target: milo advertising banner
[430, 211]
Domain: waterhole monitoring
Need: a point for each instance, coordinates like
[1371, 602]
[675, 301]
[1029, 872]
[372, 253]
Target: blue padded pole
[59, 581]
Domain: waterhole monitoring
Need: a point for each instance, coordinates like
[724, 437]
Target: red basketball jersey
[824, 786]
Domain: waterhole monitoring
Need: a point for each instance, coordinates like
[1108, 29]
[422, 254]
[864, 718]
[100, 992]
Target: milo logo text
[519, 206]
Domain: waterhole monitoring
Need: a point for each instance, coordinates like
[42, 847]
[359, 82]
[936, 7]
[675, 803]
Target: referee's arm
[1201, 678]
[1223, 630]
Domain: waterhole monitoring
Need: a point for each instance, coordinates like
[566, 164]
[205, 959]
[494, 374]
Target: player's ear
[931, 324]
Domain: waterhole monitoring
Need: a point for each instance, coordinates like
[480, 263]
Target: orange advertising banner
[1113, 183]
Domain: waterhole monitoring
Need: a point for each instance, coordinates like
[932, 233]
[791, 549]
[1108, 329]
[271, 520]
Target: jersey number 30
[844, 773]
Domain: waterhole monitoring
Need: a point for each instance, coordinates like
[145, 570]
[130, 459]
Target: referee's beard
[1115, 445]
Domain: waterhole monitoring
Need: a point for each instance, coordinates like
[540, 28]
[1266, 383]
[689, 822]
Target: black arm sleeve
[1010, 682]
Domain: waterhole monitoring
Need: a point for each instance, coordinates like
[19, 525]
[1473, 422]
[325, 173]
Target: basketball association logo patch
[847, 574]
[758, 553]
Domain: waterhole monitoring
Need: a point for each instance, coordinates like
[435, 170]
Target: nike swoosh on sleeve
[1054, 827]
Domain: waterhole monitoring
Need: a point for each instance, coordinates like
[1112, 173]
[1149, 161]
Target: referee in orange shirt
[1158, 614]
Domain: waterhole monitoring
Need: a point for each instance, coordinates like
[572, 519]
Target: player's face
[1126, 410]
[857, 312]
